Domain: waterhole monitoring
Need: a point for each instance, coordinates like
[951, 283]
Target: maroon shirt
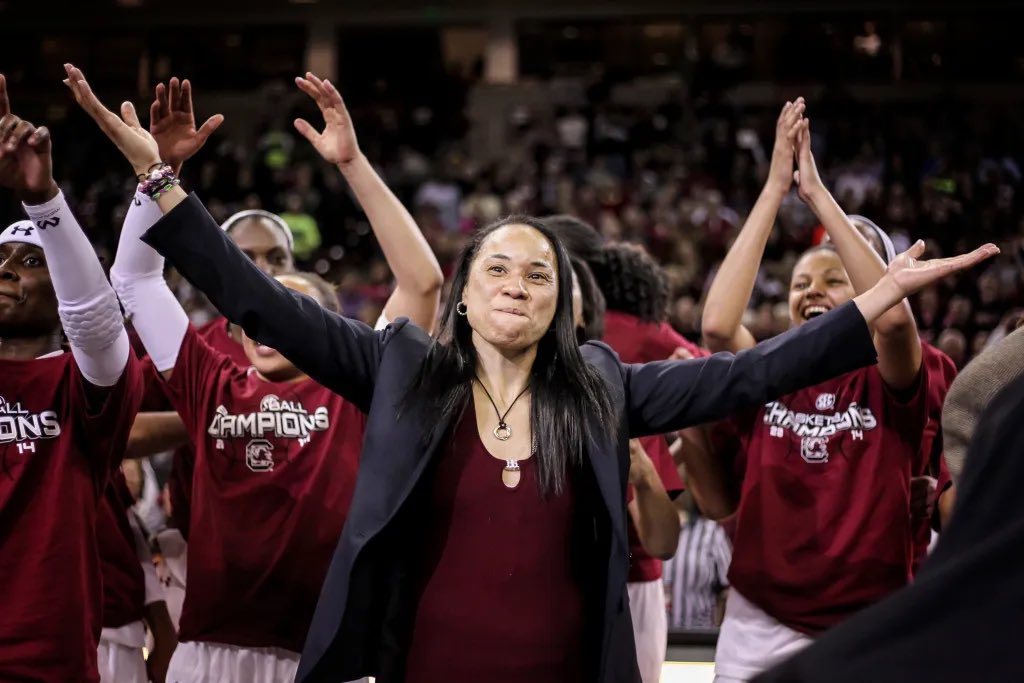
[823, 527]
[124, 585]
[274, 474]
[941, 373]
[59, 442]
[179, 485]
[638, 342]
[499, 601]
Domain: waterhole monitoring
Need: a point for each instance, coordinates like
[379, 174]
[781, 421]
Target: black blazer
[362, 617]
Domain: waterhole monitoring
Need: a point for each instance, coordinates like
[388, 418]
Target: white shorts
[750, 641]
[197, 662]
[650, 627]
[119, 663]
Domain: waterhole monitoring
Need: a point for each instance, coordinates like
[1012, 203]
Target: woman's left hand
[337, 143]
[909, 275]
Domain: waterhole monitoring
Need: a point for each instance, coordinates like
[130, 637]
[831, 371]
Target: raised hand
[337, 143]
[780, 173]
[806, 176]
[909, 275]
[641, 467]
[125, 131]
[172, 123]
[25, 163]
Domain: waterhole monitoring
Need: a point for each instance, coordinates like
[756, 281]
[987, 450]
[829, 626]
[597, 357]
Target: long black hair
[630, 280]
[567, 395]
[593, 302]
[633, 282]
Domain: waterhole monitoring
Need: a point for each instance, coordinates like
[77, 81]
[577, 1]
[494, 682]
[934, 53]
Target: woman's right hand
[125, 131]
[780, 173]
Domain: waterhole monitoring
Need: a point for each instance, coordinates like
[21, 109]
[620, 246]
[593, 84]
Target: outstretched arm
[721, 323]
[418, 275]
[669, 395]
[339, 353]
[88, 308]
[895, 331]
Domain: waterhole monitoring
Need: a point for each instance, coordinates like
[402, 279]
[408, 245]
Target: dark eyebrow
[538, 264]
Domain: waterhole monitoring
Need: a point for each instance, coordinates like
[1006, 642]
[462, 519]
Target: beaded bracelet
[158, 181]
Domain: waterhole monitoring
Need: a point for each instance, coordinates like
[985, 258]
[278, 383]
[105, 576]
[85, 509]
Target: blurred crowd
[677, 178]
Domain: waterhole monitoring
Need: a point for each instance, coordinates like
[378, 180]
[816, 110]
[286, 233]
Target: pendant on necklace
[503, 433]
[510, 474]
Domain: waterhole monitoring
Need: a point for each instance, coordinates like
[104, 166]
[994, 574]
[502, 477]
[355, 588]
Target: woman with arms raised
[487, 538]
[824, 526]
[275, 453]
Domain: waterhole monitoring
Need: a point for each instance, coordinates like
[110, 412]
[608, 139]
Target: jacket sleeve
[339, 353]
[668, 395]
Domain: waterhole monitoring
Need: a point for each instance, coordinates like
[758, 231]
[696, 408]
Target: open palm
[125, 131]
[172, 123]
[911, 275]
[337, 143]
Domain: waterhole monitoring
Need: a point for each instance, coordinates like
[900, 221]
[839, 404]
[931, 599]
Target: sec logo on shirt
[825, 401]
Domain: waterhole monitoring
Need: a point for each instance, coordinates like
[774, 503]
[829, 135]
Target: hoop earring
[461, 308]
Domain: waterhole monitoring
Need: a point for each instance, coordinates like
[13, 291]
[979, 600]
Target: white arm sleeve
[87, 305]
[138, 279]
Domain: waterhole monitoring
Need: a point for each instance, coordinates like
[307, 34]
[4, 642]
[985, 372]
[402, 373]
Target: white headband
[233, 220]
[22, 231]
[883, 237]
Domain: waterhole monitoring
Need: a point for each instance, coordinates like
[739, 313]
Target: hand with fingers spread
[911, 275]
[25, 163]
[337, 143]
[172, 123]
[780, 173]
[125, 131]
[907, 275]
[806, 176]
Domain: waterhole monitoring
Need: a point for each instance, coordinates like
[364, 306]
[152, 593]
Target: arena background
[653, 120]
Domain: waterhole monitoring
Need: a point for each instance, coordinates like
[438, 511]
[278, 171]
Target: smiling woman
[830, 462]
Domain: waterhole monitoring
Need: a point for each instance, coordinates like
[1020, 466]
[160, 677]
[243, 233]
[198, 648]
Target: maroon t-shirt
[941, 372]
[59, 441]
[274, 474]
[124, 585]
[823, 527]
[179, 485]
[499, 601]
[639, 342]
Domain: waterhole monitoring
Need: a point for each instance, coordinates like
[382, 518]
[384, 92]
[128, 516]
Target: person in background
[697, 578]
[133, 597]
